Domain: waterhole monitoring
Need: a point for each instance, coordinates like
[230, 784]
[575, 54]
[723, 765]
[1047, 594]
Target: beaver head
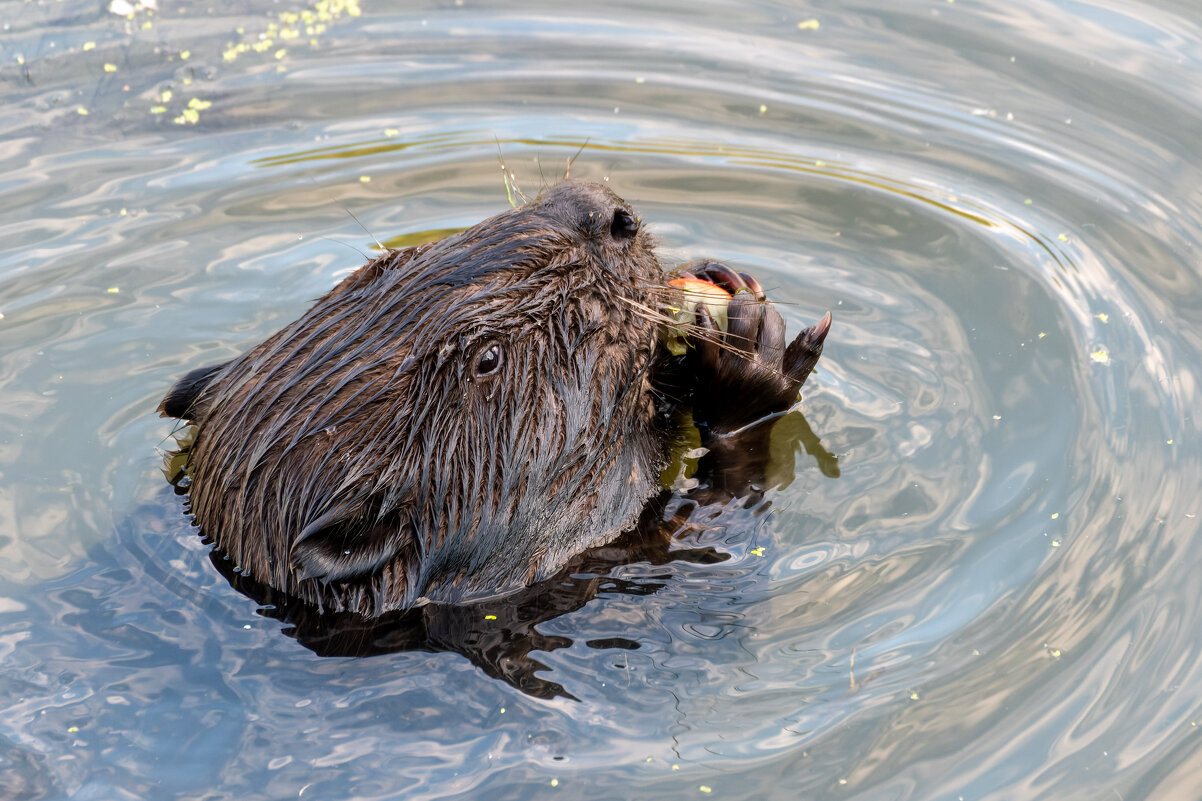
[449, 423]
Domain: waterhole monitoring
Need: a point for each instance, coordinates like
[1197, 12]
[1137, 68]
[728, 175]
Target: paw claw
[753, 286]
[804, 351]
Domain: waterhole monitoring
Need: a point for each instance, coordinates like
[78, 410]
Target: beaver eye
[624, 225]
[489, 361]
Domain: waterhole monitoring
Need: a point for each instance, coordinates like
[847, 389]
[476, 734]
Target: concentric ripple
[994, 596]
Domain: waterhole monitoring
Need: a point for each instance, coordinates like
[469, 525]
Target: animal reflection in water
[499, 636]
[486, 417]
[456, 421]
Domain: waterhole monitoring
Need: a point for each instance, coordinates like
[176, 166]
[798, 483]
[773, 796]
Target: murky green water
[998, 597]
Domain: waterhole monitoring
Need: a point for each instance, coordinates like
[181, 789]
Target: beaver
[456, 421]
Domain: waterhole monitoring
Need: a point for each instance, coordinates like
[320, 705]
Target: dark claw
[718, 273]
[804, 351]
[728, 279]
[723, 276]
[705, 319]
[754, 286]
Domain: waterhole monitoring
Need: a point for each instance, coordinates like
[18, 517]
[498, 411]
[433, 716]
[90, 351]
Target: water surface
[997, 597]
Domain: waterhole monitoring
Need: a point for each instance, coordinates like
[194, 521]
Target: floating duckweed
[89, 46]
[291, 25]
[809, 25]
[81, 111]
[198, 104]
[1100, 356]
[110, 67]
[1103, 316]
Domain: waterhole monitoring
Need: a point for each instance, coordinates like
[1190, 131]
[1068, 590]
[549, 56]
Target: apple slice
[693, 293]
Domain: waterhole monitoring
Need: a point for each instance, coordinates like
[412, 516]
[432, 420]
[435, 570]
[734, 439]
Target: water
[997, 597]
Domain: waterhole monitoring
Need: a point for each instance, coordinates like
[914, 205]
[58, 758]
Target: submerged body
[456, 421]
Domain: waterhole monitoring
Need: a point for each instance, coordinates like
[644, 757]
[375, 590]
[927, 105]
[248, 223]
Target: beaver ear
[348, 541]
[182, 396]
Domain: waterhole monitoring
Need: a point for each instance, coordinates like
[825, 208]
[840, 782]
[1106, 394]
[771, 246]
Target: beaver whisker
[656, 315]
[509, 178]
[567, 171]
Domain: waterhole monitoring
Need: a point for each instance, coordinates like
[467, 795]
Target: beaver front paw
[745, 372]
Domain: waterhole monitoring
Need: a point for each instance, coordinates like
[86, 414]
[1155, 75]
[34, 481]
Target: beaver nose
[624, 225]
[591, 209]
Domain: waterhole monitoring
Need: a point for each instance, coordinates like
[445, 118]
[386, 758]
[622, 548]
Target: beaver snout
[594, 210]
